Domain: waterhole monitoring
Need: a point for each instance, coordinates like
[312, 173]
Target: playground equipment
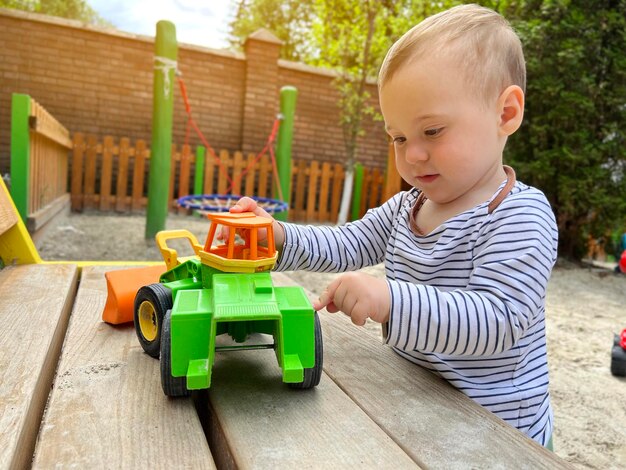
[225, 290]
[165, 69]
[618, 355]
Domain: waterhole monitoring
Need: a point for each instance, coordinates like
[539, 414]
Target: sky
[203, 23]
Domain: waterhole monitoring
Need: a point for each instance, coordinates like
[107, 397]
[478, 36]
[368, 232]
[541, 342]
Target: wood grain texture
[263, 424]
[107, 409]
[35, 304]
[8, 216]
[438, 426]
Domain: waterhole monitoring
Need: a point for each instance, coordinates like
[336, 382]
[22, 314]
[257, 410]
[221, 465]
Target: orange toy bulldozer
[122, 286]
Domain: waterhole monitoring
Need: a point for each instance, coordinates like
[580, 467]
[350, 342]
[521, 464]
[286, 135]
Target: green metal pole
[20, 153]
[288, 95]
[356, 191]
[165, 51]
[198, 182]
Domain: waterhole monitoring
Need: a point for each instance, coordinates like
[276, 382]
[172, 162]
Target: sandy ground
[585, 308]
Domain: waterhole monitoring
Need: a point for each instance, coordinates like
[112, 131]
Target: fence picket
[209, 174]
[106, 174]
[99, 170]
[237, 172]
[77, 172]
[90, 172]
[264, 172]
[324, 189]
[222, 181]
[312, 192]
[138, 176]
[250, 174]
[335, 199]
[121, 200]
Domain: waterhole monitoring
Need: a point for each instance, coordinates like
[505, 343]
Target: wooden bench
[76, 392]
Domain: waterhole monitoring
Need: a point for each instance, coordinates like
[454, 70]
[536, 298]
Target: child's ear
[511, 109]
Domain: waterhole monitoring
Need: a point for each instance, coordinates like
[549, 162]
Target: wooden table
[78, 393]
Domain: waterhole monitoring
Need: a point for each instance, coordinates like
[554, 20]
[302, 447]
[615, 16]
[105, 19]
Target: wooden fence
[39, 163]
[109, 175]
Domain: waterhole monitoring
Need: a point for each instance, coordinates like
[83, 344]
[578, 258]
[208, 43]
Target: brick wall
[100, 81]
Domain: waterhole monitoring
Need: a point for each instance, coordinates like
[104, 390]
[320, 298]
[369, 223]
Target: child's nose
[415, 154]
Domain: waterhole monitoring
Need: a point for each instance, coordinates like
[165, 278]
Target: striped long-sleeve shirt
[467, 300]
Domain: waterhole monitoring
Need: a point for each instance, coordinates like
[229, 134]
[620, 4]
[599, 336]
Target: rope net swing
[223, 202]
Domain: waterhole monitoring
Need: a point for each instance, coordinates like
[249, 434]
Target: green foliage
[71, 9]
[572, 143]
[289, 20]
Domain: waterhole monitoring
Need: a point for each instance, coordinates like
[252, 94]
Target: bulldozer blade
[122, 286]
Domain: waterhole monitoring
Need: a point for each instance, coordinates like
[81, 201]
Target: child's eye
[433, 132]
[399, 140]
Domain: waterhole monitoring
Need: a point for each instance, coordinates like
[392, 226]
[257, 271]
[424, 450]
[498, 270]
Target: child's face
[447, 140]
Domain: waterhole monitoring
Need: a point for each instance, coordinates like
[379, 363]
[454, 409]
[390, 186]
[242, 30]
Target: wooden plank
[35, 304]
[46, 125]
[138, 175]
[439, 426]
[107, 409]
[238, 165]
[256, 421]
[335, 199]
[298, 205]
[264, 171]
[209, 173]
[184, 177]
[314, 172]
[376, 182]
[90, 173]
[324, 190]
[393, 180]
[8, 216]
[106, 173]
[251, 168]
[222, 180]
[77, 172]
[44, 215]
[121, 199]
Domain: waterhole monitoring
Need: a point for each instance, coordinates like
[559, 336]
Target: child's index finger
[327, 296]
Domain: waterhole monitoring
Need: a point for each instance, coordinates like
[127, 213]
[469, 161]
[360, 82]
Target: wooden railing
[39, 162]
[110, 175]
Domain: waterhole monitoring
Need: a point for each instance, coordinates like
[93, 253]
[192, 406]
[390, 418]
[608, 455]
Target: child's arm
[505, 293]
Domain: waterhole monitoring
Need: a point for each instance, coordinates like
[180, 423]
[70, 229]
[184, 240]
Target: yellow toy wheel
[151, 304]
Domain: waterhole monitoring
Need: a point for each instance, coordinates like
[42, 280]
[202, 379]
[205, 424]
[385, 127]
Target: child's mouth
[427, 178]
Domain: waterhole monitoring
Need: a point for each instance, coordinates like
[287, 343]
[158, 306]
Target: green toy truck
[225, 290]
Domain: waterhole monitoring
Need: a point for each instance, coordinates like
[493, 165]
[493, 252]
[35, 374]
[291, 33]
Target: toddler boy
[468, 250]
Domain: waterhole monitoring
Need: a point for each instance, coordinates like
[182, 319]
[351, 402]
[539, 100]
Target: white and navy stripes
[467, 300]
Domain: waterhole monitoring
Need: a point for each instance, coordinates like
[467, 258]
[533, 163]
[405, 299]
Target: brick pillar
[261, 101]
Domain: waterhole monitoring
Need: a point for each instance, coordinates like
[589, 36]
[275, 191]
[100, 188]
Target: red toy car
[618, 355]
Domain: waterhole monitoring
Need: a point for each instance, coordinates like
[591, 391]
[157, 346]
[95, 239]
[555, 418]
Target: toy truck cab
[225, 289]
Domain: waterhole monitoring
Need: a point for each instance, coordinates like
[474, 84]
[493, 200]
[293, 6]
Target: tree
[289, 20]
[572, 143]
[71, 9]
[348, 36]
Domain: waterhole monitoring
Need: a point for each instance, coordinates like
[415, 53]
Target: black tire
[313, 375]
[172, 386]
[618, 361]
[151, 303]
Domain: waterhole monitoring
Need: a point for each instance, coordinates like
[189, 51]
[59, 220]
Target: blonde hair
[485, 45]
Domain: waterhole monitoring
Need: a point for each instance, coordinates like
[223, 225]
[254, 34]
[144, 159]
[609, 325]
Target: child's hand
[358, 295]
[246, 204]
